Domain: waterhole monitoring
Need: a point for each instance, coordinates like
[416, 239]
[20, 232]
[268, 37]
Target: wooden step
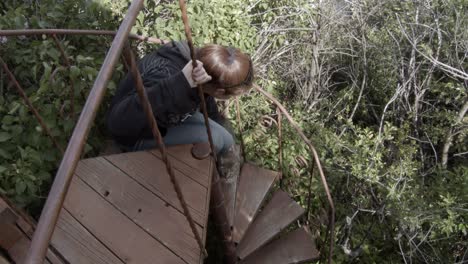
[15, 235]
[139, 204]
[295, 247]
[77, 245]
[252, 189]
[277, 215]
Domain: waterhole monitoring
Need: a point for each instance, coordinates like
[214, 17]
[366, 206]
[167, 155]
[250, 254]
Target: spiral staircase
[260, 218]
[135, 208]
[121, 208]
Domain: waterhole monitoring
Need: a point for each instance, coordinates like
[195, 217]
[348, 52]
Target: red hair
[230, 69]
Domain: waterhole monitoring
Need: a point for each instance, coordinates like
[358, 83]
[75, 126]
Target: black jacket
[171, 97]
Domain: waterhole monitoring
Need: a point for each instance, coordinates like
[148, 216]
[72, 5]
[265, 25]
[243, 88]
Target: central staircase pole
[218, 210]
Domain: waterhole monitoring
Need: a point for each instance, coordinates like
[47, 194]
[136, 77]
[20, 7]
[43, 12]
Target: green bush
[29, 159]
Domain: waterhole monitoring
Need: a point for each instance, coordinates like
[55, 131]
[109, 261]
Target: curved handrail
[61, 184]
[28, 32]
[323, 179]
[37, 246]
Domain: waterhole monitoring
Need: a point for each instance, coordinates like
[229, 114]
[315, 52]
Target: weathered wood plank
[295, 247]
[193, 168]
[183, 153]
[27, 227]
[3, 205]
[9, 234]
[140, 205]
[151, 172]
[254, 184]
[280, 211]
[19, 250]
[129, 242]
[77, 245]
[16, 224]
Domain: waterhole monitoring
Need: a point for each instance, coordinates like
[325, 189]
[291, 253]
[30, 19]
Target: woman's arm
[168, 95]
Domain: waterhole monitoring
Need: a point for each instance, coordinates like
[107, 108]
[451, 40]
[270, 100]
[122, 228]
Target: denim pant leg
[192, 130]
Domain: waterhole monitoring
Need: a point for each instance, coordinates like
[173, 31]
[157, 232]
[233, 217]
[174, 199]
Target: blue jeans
[192, 130]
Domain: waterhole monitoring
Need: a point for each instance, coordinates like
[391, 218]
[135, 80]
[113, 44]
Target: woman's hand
[195, 76]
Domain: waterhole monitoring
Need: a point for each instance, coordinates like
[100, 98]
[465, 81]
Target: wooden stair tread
[16, 233]
[78, 245]
[112, 228]
[295, 247]
[142, 206]
[123, 209]
[150, 171]
[254, 184]
[280, 211]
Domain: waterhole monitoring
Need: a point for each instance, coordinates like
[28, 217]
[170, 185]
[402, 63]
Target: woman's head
[231, 70]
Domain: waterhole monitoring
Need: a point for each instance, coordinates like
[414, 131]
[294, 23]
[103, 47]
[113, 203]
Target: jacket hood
[177, 52]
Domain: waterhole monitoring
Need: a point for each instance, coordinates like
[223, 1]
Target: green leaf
[4, 154]
[87, 148]
[43, 175]
[8, 120]
[74, 71]
[31, 187]
[2, 169]
[4, 136]
[80, 58]
[20, 187]
[15, 106]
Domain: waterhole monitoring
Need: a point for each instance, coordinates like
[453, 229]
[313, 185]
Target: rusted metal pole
[188, 35]
[317, 161]
[239, 123]
[280, 146]
[67, 64]
[28, 102]
[50, 213]
[29, 32]
[161, 146]
[219, 208]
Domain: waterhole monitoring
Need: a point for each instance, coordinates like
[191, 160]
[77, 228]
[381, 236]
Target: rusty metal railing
[281, 110]
[54, 202]
[219, 210]
[65, 172]
[29, 32]
[142, 94]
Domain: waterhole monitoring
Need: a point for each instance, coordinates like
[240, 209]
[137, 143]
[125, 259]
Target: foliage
[368, 83]
[29, 159]
[378, 87]
[217, 22]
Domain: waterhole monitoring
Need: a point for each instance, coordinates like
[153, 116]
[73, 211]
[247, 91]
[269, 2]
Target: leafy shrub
[29, 159]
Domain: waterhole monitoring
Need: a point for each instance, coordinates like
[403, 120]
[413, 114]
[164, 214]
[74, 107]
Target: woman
[170, 81]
